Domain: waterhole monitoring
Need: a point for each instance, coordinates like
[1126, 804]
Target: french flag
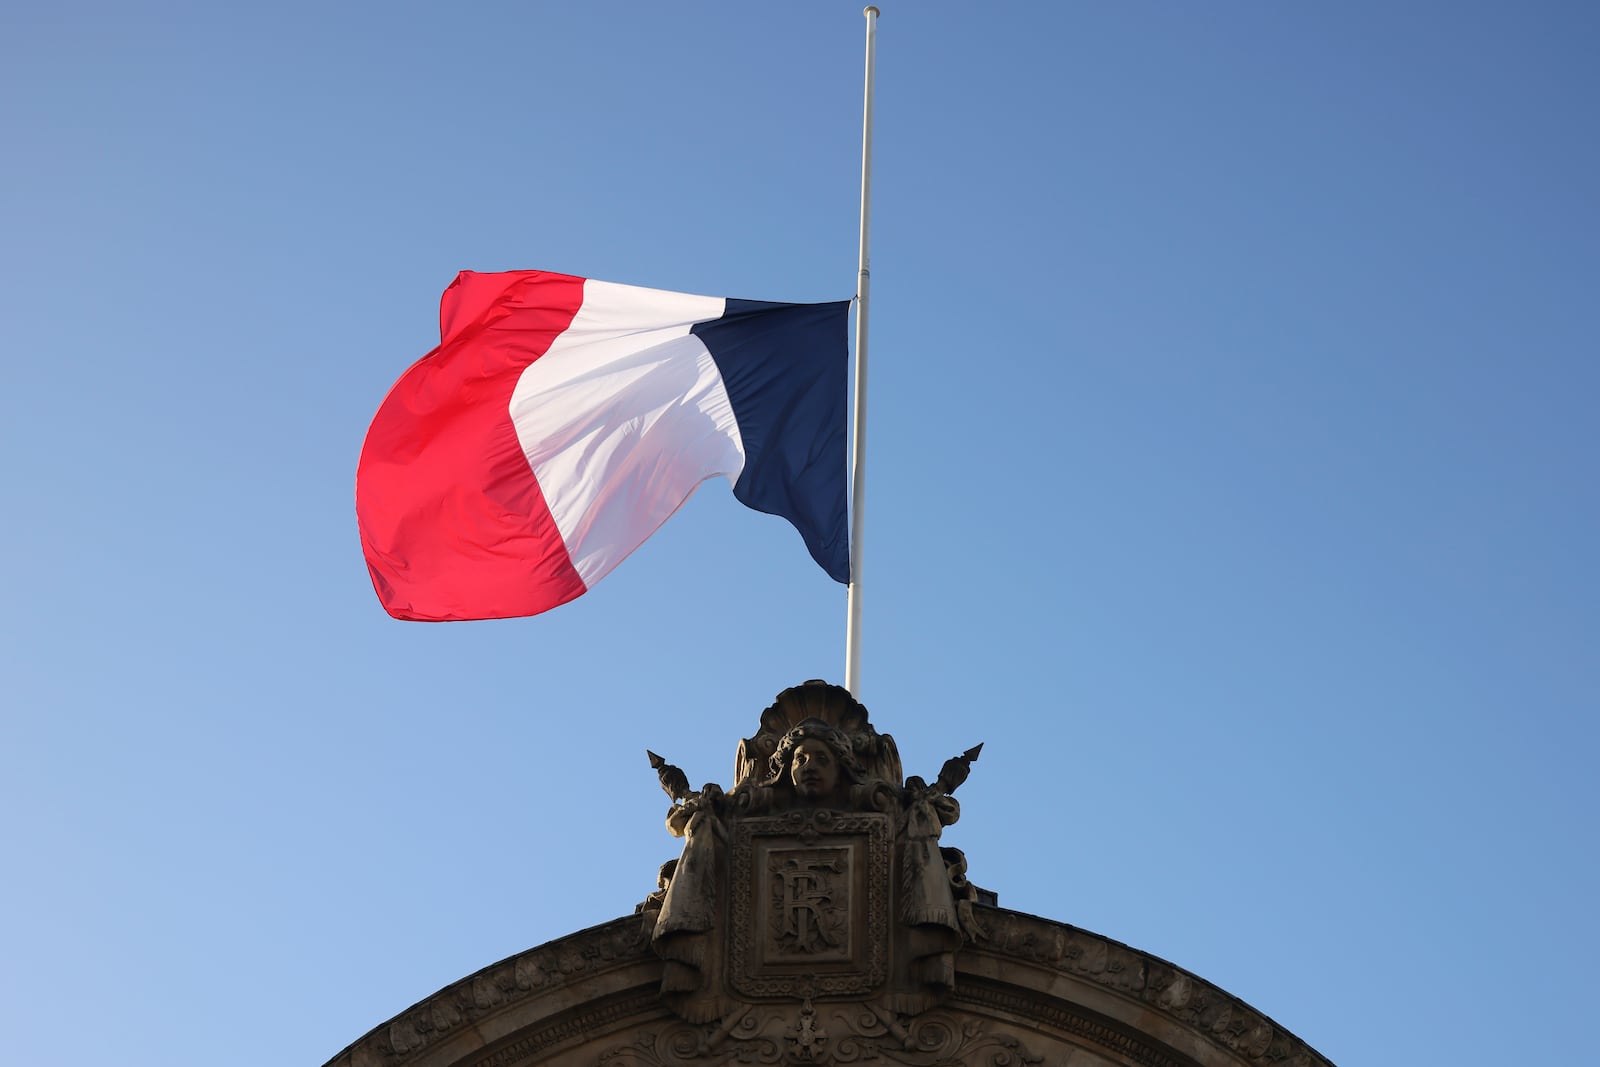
[562, 420]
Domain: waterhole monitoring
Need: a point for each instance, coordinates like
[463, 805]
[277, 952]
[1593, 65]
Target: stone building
[815, 918]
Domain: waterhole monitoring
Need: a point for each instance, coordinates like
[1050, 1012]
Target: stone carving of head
[816, 760]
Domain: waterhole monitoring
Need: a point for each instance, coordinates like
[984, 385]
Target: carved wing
[752, 758]
[888, 767]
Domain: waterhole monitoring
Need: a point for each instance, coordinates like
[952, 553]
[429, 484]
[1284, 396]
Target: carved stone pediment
[1030, 991]
[817, 876]
[816, 917]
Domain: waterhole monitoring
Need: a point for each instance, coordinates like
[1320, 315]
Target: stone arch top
[1030, 991]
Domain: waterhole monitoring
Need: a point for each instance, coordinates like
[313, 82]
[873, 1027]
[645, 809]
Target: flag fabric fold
[562, 420]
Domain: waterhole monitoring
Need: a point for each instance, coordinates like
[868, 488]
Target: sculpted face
[814, 770]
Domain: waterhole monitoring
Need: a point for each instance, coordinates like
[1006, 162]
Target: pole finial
[871, 10]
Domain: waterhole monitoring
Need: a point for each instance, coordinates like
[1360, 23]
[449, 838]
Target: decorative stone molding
[528, 977]
[556, 991]
[837, 1036]
[814, 918]
[836, 857]
[1189, 1001]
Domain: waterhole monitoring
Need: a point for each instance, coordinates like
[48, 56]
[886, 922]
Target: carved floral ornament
[840, 1035]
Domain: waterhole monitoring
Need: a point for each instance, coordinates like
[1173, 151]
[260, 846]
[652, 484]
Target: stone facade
[815, 919]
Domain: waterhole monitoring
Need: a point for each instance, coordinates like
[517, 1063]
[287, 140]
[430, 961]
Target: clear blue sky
[1233, 450]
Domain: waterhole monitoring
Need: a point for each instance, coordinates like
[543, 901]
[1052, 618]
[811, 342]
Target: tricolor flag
[561, 421]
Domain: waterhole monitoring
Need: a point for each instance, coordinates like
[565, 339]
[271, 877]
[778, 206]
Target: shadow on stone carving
[815, 916]
[829, 1036]
[818, 877]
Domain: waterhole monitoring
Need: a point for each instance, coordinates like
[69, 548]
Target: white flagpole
[858, 422]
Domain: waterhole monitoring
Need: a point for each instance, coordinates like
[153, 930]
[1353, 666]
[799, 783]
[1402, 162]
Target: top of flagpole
[858, 428]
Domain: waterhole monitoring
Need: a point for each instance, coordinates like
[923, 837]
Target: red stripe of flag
[453, 523]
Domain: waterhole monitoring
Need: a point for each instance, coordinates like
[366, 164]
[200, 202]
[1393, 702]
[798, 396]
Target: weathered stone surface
[814, 918]
[818, 876]
[1034, 991]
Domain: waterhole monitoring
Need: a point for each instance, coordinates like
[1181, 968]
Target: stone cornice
[1184, 999]
[1137, 1006]
[543, 972]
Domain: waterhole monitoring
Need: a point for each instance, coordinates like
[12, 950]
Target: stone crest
[809, 905]
[817, 878]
